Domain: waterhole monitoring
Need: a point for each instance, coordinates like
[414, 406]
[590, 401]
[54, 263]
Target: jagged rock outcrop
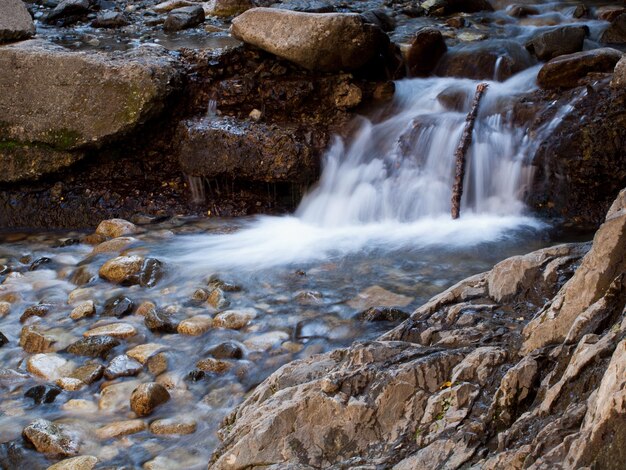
[483, 376]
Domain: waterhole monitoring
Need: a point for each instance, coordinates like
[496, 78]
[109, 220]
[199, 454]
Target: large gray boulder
[56, 103]
[325, 42]
[15, 21]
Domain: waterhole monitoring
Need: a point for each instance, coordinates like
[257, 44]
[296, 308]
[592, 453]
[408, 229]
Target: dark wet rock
[306, 6]
[427, 47]
[609, 12]
[68, 12]
[447, 7]
[147, 397]
[39, 310]
[40, 130]
[379, 18]
[3, 339]
[184, 18]
[119, 306]
[616, 32]
[131, 270]
[88, 373]
[93, 346]
[49, 438]
[558, 41]
[456, 22]
[161, 321]
[382, 314]
[493, 60]
[225, 286]
[83, 275]
[38, 263]
[122, 366]
[15, 21]
[565, 71]
[522, 11]
[151, 272]
[43, 394]
[618, 81]
[226, 350]
[34, 341]
[17, 454]
[253, 151]
[110, 20]
[328, 43]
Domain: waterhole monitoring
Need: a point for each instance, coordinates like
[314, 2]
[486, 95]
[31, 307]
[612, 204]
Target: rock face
[584, 150]
[56, 103]
[457, 385]
[255, 151]
[565, 71]
[15, 21]
[327, 42]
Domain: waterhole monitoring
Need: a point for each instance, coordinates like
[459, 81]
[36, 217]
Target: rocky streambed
[174, 336]
[118, 348]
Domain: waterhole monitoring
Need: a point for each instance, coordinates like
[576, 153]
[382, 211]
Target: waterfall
[388, 187]
[401, 168]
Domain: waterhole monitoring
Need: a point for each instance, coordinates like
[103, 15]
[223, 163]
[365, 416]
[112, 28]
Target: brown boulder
[147, 397]
[15, 21]
[565, 71]
[245, 150]
[325, 42]
[616, 32]
[489, 60]
[426, 49]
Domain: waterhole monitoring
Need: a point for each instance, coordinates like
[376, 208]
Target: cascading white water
[390, 187]
[402, 168]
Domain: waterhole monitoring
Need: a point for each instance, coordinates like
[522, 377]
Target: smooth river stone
[122, 366]
[266, 341]
[234, 319]
[82, 462]
[70, 384]
[115, 330]
[121, 428]
[82, 310]
[49, 366]
[173, 426]
[143, 352]
[195, 326]
[147, 397]
[376, 296]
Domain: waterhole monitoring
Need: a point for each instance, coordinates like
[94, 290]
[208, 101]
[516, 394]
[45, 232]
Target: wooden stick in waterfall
[466, 140]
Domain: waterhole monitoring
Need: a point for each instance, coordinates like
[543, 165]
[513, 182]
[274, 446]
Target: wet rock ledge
[518, 367]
